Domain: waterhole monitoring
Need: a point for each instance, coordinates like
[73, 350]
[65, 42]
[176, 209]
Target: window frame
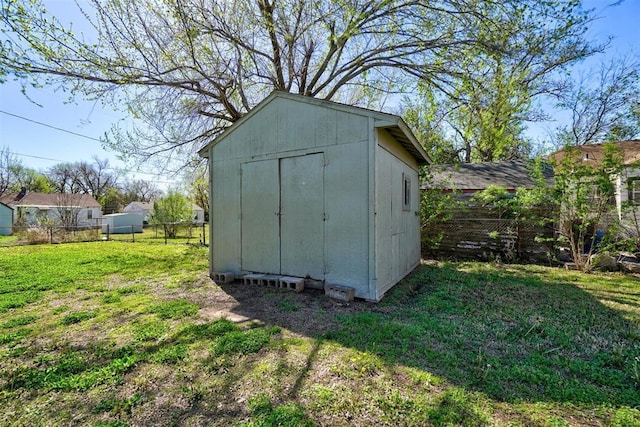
[633, 194]
[406, 192]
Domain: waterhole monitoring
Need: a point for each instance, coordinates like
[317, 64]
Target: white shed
[121, 223]
[143, 209]
[197, 213]
[315, 189]
[6, 220]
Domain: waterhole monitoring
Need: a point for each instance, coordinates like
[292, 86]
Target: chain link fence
[182, 232]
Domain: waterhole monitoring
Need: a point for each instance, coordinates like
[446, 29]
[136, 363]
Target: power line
[67, 131]
[111, 168]
[50, 126]
[37, 157]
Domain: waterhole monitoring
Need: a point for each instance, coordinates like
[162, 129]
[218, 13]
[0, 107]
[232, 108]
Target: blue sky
[40, 147]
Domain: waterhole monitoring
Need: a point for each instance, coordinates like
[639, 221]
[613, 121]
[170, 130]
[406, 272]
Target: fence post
[165, 233]
[133, 236]
[204, 236]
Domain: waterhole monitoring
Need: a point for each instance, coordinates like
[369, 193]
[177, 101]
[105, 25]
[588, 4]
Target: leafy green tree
[482, 112]
[498, 198]
[584, 193]
[31, 179]
[187, 69]
[112, 201]
[14, 175]
[172, 211]
[197, 185]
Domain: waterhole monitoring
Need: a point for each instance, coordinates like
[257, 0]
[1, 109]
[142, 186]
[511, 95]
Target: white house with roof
[626, 197]
[74, 211]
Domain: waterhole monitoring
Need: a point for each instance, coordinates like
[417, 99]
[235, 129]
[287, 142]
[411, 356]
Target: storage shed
[143, 209]
[6, 220]
[319, 190]
[121, 223]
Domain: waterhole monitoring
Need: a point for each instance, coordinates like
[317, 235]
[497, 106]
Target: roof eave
[401, 132]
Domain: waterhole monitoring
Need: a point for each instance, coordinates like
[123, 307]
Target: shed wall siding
[347, 207]
[122, 223]
[361, 208]
[281, 127]
[290, 129]
[225, 220]
[397, 228]
[6, 221]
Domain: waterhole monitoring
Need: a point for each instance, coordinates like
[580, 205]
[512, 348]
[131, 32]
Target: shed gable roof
[391, 123]
[50, 200]
[478, 176]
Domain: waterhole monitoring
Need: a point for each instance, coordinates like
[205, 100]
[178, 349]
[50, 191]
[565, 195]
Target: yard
[120, 333]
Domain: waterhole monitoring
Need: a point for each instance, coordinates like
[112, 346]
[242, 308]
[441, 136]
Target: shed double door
[283, 216]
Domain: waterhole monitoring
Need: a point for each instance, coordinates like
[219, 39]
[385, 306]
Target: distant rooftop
[471, 177]
[594, 153]
[49, 200]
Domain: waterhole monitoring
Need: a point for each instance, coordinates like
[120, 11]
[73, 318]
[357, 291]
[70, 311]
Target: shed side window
[89, 213]
[406, 193]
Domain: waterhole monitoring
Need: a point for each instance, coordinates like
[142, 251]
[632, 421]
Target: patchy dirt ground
[308, 313]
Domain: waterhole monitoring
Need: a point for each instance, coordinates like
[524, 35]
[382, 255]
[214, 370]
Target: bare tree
[63, 178]
[187, 69]
[8, 161]
[603, 105]
[140, 190]
[95, 178]
[83, 177]
[67, 211]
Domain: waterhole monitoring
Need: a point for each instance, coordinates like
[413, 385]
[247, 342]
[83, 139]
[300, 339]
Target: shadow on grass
[511, 333]
[498, 330]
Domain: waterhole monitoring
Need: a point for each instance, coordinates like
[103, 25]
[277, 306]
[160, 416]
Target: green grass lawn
[117, 334]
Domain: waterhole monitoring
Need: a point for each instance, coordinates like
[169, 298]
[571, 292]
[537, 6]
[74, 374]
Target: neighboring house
[627, 183]
[314, 189]
[466, 179]
[6, 220]
[144, 209]
[121, 223]
[67, 210]
[197, 214]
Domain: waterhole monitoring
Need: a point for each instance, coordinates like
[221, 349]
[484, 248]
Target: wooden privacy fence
[477, 233]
